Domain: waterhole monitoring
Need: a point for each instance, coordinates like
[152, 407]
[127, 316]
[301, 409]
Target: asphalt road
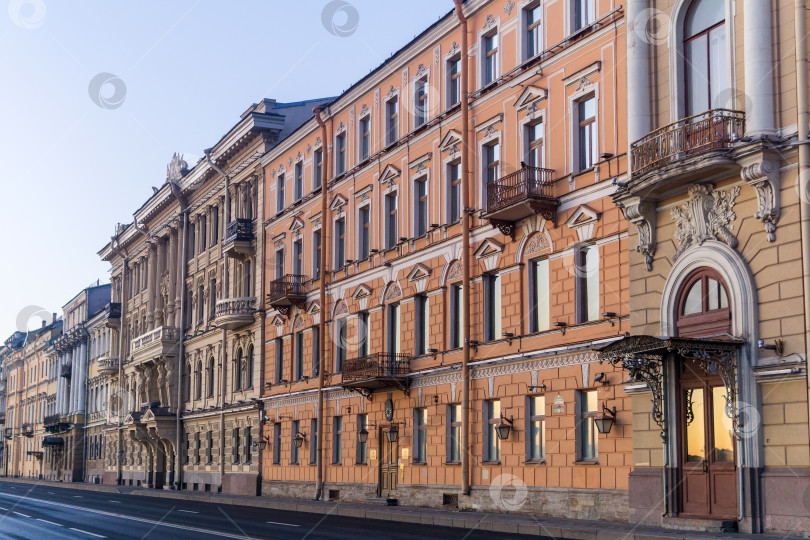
[44, 513]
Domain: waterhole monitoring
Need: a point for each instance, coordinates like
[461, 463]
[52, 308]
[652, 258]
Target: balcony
[710, 133]
[108, 365]
[239, 238]
[521, 194]
[27, 430]
[8, 433]
[287, 291]
[233, 313]
[2, 418]
[161, 341]
[54, 424]
[380, 370]
[114, 315]
[66, 371]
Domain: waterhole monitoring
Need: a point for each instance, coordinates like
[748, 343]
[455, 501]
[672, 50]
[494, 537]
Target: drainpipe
[226, 217]
[123, 300]
[181, 199]
[804, 163]
[465, 249]
[322, 296]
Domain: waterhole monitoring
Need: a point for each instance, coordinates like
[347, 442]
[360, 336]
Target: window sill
[535, 462]
[452, 463]
[359, 464]
[419, 463]
[587, 462]
[491, 462]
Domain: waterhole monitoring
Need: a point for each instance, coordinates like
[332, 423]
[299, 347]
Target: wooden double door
[708, 486]
[388, 464]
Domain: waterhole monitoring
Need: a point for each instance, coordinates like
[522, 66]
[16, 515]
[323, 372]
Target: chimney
[54, 317]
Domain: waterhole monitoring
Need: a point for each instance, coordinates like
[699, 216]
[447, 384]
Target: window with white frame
[535, 428]
[340, 154]
[279, 374]
[316, 254]
[489, 58]
[279, 263]
[393, 329]
[492, 417]
[298, 343]
[454, 191]
[420, 435]
[586, 139]
[453, 433]
[340, 243]
[421, 104]
[454, 81]
[492, 161]
[341, 331]
[492, 306]
[420, 203]
[390, 220]
[362, 333]
[539, 302]
[298, 257]
[363, 232]
[422, 324]
[704, 47]
[317, 168]
[587, 449]
[534, 144]
[587, 283]
[280, 193]
[364, 134]
[391, 120]
[457, 315]
[583, 13]
[299, 180]
[533, 29]
[337, 439]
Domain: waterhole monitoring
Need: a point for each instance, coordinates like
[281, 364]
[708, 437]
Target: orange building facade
[365, 387]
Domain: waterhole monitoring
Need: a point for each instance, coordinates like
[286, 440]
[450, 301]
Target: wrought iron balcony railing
[525, 183]
[27, 430]
[114, 315]
[239, 229]
[376, 366]
[8, 432]
[715, 129]
[287, 290]
[51, 420]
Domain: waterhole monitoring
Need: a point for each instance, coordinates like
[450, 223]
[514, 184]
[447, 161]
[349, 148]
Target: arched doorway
[708, 485]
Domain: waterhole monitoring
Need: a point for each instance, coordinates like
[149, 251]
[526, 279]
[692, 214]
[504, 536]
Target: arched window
[211, 377]
[704, 47]
[198, 381]
[703, 306]
[249, 372]
[237, 370]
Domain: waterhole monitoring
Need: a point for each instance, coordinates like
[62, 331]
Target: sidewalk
[509, 523]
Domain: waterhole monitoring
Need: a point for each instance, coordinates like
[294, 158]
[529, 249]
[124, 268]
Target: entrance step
[700, 524]
[382, 501]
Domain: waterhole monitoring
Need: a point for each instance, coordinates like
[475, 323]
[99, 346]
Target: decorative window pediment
[364, 193]
[278, 321]
[532, 94]
[419, 271]
[583, 221]
[362, 291]
[296, 225]
[148, 415]
[450, 140]
[488, 248]
[314, 308]
[389, 174]
[338, 203]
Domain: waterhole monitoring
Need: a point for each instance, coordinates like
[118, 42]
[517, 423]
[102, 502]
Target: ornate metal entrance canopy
[643, 357]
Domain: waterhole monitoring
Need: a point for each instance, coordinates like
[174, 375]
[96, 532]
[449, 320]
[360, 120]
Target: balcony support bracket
[642, 215]
[507, 228]
[761, 171]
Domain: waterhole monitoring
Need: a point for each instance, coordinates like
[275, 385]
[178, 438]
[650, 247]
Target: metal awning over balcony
[114, 315]
[232, 313]
[713, 130]
[379, 370]
[239, 238]
[521, 194]
[287, 291]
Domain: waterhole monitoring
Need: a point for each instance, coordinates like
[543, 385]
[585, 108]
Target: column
[170, 317]
[60, 359]
[81, 387]
[161, 264]
[178, 275]
[639, 120]
[758, 53]
[151, 286]
[71, 388]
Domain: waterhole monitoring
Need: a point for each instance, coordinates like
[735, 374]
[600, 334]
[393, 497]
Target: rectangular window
[200, 304]
[454, 189]
[298, 257]
[340, 154]
[317, 169]
[586, 430]
[492, 161]
[534, 30]
[492, 417]
[587, 283]
[492, 306]
[453, 433]
[362, 333]
[280, 193]
[365, 233]
[279, 263]
[420, 435]
[313, 441]
[340, 243]
[293, 447]
[583, 13]
[362, 447]
[586, 133]
[421, 207]
[337, 439]
[534, 145]
[209, 454]
[365, 137]
[390, 220]
[212, 300]
[457, 315]
[299, 181]
[391, 120]
[316, 254]
[420, 105]
[490, 58]
[248, 445]
[535, 428]
[279, 359]
[539, 304]
[393, 329]
[340, 345]
[316, 350]
[277, 443]
[203, 233]
[422, 324]
[214, 225]
[454, 81]
[299, 355]
[237, 444]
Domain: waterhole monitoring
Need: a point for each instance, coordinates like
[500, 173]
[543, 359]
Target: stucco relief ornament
[308, 148]
[642, 215]
[764, 178]
[508, 8]
[707, 215]
[177, 168]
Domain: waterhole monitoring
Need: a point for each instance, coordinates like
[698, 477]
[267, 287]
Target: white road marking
[285, 524]
[49, 522]
[50, 493]
[85, 532]
[21, 514]
[77, 496]
[3, 509]
[110, 500]
[189, 511]
[131, 518]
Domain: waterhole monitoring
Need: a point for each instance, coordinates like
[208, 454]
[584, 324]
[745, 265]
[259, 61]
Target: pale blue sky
[72, 169]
